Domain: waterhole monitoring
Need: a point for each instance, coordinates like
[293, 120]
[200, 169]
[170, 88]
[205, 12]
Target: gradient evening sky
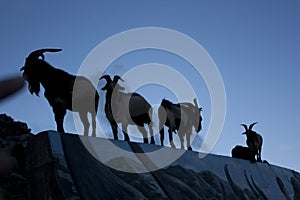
[255, 44]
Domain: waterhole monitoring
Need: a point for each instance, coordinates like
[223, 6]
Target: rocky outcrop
[81, 175]
[51, 165]
[13, 142]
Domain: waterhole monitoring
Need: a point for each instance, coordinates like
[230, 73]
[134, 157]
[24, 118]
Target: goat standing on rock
[126, 108]
[181, 117]
[60, 91]
[254, 140]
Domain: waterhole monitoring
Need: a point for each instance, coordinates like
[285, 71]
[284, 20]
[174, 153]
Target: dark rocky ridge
[50, 165]
[13, 142]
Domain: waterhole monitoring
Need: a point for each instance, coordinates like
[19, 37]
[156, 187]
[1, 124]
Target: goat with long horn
[254, 140]
[126, 108]
[181, 118]
[60, 91]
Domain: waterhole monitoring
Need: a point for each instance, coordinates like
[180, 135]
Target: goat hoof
[145, 140]
[190, 148]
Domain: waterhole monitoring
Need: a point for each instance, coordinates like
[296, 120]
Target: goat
[181, 117]
[60, 91]
[254, 140]
[243, 153]
[126, 108]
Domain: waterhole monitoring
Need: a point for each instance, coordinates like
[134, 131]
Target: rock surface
[50, 165]
[13, 142]
[83, 173]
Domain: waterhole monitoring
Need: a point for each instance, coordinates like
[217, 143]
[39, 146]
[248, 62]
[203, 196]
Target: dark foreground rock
[13, 143]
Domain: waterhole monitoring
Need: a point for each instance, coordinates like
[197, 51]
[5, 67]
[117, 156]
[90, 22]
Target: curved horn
[116, 78]
[196, 103]
[106, 77]
[245, 126]
[37, 53]
[251, 125]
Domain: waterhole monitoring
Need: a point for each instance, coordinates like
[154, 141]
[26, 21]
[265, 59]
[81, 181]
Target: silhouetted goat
[181, 117]
[243, 153]
[126, 108]
[59, 90]
[254, 140]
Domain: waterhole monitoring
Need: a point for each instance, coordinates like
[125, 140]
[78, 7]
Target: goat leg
[114, 128]
[59, 115]
[85, 121]
[126, 137]
[259, 155]
[188, 141]
[94, 124]
[162, 136]
[180, 134]
[171, 138]
[124, 130]
[144, 133]
[150, 126]
[161, 131]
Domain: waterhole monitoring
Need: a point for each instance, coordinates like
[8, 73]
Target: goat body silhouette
[254, 140]
[181, 117]
[126, 108]
[59, 90]
[243, 153]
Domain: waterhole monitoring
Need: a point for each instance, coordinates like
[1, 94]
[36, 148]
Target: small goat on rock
[243, 153]
[254, 140]
[60, 91]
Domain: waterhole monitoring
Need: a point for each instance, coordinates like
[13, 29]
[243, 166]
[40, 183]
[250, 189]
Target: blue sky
[255, 45]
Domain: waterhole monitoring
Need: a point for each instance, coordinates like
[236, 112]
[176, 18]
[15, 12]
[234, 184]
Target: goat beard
[34, 87]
